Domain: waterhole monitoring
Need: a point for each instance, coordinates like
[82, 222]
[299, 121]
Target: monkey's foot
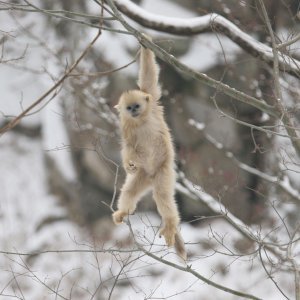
[131, 168]
[118, 216]
[169, 231]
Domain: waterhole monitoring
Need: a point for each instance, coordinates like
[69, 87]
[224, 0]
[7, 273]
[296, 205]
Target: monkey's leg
[163, 194]
[135, 186]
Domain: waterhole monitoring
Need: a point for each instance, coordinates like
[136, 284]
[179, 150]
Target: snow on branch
[187, 187]
[283, 183]
[203, 78]
[208, 23]
[188, 269]
[196, 193]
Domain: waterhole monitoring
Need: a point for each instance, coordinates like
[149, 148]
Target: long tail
[179, 246]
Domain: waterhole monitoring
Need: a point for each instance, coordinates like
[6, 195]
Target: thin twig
[171, 60]
[67, 251]
[269, 274]
[295, 39]
[17, 119]
[221, 87]
[281, 183]
[295, 265]
[286, 120]
[188, 269]
[207, 23]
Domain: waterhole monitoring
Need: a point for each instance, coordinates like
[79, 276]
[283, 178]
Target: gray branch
[203, 78]
[208, 23]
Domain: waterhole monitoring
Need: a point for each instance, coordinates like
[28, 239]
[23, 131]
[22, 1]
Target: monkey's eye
[137, 106]
[128, 107]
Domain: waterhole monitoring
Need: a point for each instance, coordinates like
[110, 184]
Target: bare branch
[292, 41]
[208, 23]
[283, 184]
[61, 251]
[296, 267]
[17, 119]
[219, 86]
[170, 59]
[286, 120]
[188, 269]
[217, 207]
[269, 274]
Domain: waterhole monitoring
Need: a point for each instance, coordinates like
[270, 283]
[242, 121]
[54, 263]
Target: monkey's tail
[179, 246]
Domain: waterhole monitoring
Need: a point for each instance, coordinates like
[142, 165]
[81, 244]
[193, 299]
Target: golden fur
[147, 152]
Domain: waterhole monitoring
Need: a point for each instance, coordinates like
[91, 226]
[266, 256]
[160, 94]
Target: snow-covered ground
[25, 227]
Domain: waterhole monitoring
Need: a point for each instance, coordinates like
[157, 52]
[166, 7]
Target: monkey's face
[134, 104]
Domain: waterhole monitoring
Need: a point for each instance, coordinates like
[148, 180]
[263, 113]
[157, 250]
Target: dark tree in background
[230, 76]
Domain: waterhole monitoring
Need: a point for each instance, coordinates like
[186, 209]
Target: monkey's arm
[148, 74]
[129, 160]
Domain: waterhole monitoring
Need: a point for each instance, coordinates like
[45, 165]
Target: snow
[23, 179]
[18, 94]
[25, 206]
[78, 270]
[166, 8]
[66, 260]
[199, 126]
[288, 159]
[56, 141]
[118, 50]
[29, 85]
[286, 185]
[202, 23]
[285, 152]
[196, 22]
[207, 50]
[264, 118]
[27, 69]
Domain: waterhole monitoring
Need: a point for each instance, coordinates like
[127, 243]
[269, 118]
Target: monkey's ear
[117, 107]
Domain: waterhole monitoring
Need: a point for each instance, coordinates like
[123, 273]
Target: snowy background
[33, 221]
[44, 253]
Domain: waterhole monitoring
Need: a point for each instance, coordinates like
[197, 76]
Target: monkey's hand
[118, 216]
[130, 167]
[169, 231]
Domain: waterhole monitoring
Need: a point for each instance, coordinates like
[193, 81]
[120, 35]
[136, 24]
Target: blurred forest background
[238, 188]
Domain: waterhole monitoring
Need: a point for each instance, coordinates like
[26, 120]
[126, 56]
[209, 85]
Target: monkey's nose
[135, 108]
[134, 112]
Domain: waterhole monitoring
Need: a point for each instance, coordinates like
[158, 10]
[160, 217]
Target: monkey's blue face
[134, 104]
[134, 109]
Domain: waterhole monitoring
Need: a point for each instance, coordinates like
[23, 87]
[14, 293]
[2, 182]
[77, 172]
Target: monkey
[148, 154]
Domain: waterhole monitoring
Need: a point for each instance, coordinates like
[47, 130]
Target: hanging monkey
[148, 152]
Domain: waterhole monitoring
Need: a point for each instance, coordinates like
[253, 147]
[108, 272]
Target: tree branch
[18, 118]
[293, 40]
[208, 23]
[282, 183]
[219, 86]
[171, 60]
[188, 269]
[286, 120]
